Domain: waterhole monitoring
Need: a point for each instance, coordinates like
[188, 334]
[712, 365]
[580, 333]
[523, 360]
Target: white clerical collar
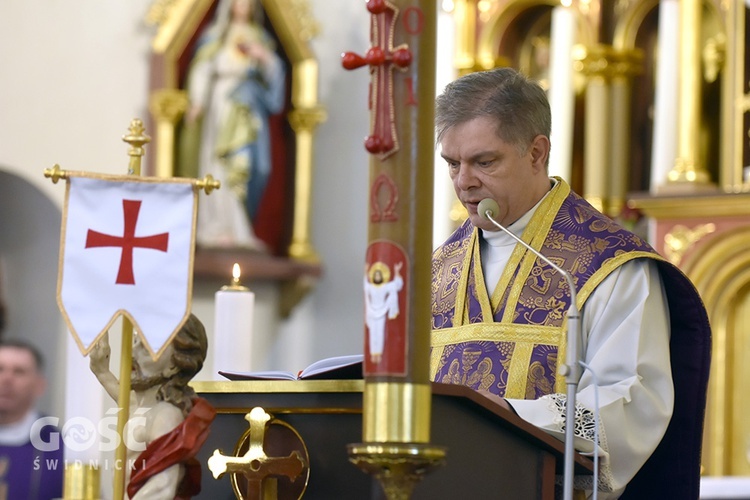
[500, 239]
[18, 433]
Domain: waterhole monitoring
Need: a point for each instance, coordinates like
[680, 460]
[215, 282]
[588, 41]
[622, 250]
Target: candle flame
[236, 272]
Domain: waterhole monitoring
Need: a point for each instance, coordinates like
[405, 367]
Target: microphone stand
[570, 369]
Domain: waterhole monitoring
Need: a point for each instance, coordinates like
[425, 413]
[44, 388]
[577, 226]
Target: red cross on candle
[381, 57]
[128, 241]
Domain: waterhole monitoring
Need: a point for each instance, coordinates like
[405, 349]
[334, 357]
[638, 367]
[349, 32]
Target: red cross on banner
[127, 249]
[128, 241]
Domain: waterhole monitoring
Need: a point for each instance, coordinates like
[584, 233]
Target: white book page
[261, 375]
[319, 367]
[328, 364]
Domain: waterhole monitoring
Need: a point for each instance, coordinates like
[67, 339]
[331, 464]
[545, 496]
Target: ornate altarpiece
[700, 213]
[286, 226]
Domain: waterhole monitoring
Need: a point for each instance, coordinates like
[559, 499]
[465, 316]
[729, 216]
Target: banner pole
[136, 138]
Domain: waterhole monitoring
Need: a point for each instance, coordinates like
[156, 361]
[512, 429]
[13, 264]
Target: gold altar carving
[177, 24]
[719, 265]
[721, 271]
[680, 238]
[261, 471]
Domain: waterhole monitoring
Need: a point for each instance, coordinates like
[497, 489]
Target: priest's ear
[539, 152]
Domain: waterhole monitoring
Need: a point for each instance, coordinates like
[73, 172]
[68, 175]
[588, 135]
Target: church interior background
[650, 125]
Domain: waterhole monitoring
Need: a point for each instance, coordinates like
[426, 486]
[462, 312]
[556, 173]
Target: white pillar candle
[664, 152]
[562, 90]
[445, 196]
[233, 328]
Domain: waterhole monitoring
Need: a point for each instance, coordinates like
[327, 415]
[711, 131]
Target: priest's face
[482, 165]
[21, 383]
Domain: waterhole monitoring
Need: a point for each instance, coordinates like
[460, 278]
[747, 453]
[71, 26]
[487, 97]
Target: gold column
[732, 92]
[594, 63]
[625, 65]
[465, 14]
[303, 119]
[305, 116]
[303, 122]
[687, 173]
[167, 107]
[81, 482]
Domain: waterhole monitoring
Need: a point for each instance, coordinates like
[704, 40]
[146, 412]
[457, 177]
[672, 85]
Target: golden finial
[55, 173]
[208, 183]
[136, 138]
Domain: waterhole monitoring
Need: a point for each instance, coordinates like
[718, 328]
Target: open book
[336, 368]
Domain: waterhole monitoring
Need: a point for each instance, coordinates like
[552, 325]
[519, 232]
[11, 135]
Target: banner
[127, 249]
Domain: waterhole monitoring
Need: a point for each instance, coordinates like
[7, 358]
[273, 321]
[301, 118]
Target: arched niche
[720, 269]
[29, 249]
[283, 221]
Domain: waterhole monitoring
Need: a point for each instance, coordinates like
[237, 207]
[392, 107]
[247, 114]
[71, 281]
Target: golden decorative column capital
[168, 105]
[627, 63]
[607, 62]
[593, 61]
[306, 119]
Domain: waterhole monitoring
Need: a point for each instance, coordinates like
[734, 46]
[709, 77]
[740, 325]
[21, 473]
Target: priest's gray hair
[518, 104]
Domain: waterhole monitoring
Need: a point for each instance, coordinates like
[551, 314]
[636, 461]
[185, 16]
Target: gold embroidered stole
[520, 338]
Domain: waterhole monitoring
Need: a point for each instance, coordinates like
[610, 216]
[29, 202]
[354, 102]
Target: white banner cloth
[127, 249]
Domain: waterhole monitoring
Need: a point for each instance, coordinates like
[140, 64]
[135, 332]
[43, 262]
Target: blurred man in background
[31, 456]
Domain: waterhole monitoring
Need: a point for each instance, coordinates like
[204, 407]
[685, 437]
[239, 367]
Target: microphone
[488, 208]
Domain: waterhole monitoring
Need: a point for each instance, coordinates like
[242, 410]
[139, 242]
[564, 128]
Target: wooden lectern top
[489, 449]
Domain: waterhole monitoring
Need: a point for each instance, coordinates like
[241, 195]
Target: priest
[499, 313]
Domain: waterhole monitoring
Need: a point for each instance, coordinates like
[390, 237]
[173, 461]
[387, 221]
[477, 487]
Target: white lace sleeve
[626, 344]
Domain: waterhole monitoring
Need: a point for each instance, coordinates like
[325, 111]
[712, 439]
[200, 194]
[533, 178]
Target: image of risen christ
[381, 303]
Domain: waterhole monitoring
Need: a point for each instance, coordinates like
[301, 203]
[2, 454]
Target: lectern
[491, 453]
